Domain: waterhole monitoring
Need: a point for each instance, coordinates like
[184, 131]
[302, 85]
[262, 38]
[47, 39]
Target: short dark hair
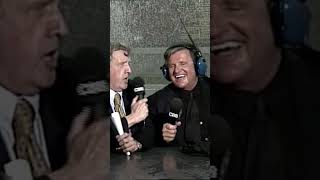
[178, 47]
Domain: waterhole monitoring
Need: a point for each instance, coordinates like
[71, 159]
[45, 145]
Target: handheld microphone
[138, 87]
[86, 78]
[175, 112]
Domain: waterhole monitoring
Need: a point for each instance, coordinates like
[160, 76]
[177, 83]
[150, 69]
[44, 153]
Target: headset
[199, 62]
[290, 21]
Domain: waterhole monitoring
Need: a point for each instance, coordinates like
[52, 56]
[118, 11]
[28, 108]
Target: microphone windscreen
[175, 105]
[137, 82]
[88, 76]
[175, 110]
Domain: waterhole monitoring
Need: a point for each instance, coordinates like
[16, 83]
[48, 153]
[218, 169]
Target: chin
[227, 77]
[124, 87]
[47, 82]
[182, 86]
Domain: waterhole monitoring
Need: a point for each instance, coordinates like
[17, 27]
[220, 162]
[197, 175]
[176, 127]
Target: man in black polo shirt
[265, 86]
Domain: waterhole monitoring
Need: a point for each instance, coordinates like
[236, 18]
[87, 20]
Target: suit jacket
[56, 115]
[142, 132]
[55, 131]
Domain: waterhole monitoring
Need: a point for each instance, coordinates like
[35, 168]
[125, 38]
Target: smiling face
[119, 70]
[30, 31]
[242, 43]
[181, 70]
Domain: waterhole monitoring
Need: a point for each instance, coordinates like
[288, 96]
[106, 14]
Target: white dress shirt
[8, 102]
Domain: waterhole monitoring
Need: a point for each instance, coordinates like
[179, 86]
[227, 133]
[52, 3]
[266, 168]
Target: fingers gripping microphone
[138, 87]
[175, 110]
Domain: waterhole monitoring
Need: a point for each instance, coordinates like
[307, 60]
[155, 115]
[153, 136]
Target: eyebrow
[235, 2]
[39, 3]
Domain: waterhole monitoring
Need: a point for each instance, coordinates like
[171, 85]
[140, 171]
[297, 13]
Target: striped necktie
[26, 146]
[117, 105]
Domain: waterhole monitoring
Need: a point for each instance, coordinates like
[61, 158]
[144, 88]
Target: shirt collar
[113, 93]
[8, 103]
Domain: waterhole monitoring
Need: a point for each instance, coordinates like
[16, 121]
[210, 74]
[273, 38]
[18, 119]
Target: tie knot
[23, 116]
[117, 99]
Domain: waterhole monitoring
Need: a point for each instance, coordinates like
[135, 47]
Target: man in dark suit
[58, 147]
[133, 112]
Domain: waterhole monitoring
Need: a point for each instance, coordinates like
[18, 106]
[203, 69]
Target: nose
[129, 69]
[57, 25]
[177, 69]
[217, 19]
[63, 28]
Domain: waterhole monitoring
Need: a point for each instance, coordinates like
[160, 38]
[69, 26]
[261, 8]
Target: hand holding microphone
[139, 111]
[139, 106]
[169, 131]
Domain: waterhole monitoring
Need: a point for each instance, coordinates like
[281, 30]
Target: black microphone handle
[140, 96]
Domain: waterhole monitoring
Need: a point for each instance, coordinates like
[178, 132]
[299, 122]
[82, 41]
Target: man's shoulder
[305, 57]
[205, 81]
[166, 91]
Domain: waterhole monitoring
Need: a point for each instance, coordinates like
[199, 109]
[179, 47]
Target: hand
[139, 111]
[169, 131]
[87, 148]
[127, 143]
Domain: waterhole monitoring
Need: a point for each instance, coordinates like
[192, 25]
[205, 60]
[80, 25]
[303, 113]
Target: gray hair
[178, 47]
[118, 46]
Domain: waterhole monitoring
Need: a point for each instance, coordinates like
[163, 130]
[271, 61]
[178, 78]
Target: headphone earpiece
[200, 64]
[165, 72]
[290, 22]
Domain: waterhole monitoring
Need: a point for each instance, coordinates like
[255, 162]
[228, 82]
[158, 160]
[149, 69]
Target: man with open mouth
[191, 86]
[265, 85]
[133, 112]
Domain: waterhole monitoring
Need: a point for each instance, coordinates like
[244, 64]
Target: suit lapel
[127, 102]
[55, 132]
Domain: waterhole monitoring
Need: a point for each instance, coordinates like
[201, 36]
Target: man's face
[181, 70]
[119, 70]
[29, 36]
[241, 39]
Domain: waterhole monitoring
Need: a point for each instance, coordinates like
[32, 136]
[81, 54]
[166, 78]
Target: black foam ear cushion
[165, 72]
